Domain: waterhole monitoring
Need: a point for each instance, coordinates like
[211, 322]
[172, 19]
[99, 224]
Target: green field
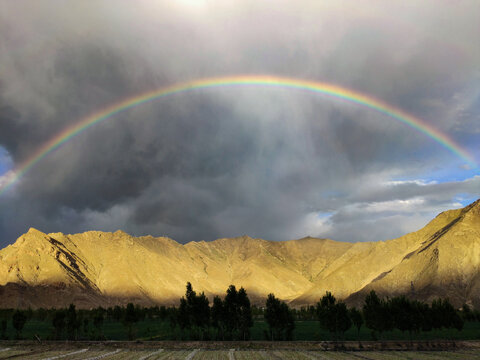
[121, 353]
[304, 330]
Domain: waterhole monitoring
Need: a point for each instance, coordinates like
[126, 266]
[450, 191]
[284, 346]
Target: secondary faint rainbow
[231, 81]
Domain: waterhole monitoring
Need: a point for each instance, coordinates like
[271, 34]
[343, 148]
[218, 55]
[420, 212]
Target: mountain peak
[33, 231]
[31, 236]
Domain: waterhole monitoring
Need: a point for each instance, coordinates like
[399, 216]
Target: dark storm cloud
[224, 162]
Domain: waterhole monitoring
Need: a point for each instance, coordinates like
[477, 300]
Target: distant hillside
[99, 268]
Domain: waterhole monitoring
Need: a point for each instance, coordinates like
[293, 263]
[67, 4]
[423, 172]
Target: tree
[117, 313]
[333, 316]
[183, 315]
[200, 313]
[72, 323]
[58, 323]
[85, 326]
[98, 319]
[357, 320]
[272, 310]
[326, 313]
[172, 316]
[377, 314]
[420, 316]
[403, 314]
[444, 315]
[217, 315]
[231, 311]
[288, 321]
[130, 319]
[467, 313]
[343, 322]
[3, 329]
[194, 312]
[279, 319]
[18, 321]
[371, 310]
[162, 313]
[245, 314]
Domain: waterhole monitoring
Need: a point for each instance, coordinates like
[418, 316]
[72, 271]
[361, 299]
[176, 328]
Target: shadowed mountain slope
[100, 268]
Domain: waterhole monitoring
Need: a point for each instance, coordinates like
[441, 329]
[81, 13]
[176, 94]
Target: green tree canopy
[18, 321]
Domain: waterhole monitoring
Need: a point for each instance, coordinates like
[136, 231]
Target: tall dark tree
[343, 321]
[72, 323]
[85, 324]
[326, 313]
[3, 329]
[201, 313]
[333, 316]
[98, 319]
[377, 314]
[245, 314]
[19, 319]
[194, 313]
[162, 313]
[231, 311]
[421, 316]
[272, 312]
[279, 319]
[130, 319]
[183, 315]
[117, 313]
[467, 313]
[371, 310]
[58, 323]
[444, 315]
[172, 317]
[403, 313]
[357, 320]
[288, 321]
[218, 316]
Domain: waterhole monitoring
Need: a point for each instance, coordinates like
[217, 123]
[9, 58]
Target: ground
[426, 350]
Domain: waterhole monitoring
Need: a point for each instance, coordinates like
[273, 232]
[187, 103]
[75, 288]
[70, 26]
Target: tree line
[381, 315]
[232, 317]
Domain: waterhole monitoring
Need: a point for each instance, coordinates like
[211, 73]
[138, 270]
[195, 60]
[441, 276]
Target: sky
[267, 162]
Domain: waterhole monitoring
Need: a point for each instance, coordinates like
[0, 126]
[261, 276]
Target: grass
[311, 331]
[304, 330]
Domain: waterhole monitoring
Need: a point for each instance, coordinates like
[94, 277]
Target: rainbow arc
[232, 81]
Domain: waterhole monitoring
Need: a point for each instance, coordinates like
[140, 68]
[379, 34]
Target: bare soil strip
[105, 355]
[358, 356]
[151, 354]
[192, 354]
[64, 355]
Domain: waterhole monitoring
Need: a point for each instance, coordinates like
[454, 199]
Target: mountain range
[102, 268]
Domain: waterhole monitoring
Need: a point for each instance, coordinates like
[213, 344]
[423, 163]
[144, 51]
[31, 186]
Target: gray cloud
[232, 161]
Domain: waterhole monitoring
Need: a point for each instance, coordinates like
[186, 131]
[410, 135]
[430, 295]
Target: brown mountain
[99, 268]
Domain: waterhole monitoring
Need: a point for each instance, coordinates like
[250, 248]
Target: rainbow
[229, 81]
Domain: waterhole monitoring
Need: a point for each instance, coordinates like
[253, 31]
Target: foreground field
[123, 351]
[304, 330]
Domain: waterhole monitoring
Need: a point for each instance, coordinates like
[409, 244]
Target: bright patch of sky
[323, 215]
[6, 162]
[464, 199]
[447, 173]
